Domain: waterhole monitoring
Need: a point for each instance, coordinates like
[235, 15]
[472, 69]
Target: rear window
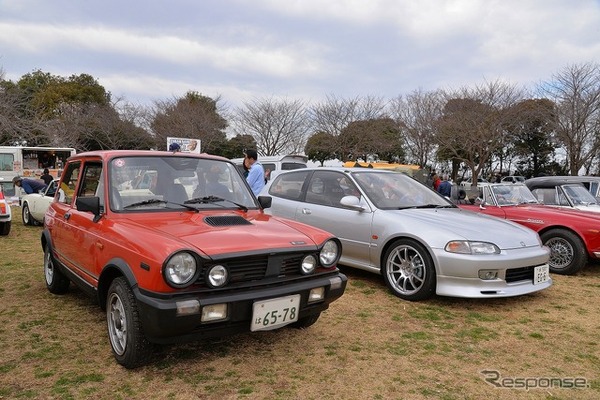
[286, 166]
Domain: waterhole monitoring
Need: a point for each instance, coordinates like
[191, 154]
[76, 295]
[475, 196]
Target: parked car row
[175, 247]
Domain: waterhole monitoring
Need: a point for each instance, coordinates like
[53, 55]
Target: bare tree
[334, 114]
[17, 124]
[278, 126]
[472, 127]
[576, 92]
[417, 115]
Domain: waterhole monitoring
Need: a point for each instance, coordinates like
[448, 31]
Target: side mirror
[265, 201]
[352, 202]
[91, 204]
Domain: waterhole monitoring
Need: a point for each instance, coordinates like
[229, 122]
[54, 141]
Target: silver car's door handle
[306, 211]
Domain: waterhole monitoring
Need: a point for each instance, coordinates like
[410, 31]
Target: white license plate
[541, 274]
[274, 313]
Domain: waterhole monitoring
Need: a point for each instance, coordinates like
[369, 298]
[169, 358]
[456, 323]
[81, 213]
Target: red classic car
[146, 235]
[573, 236]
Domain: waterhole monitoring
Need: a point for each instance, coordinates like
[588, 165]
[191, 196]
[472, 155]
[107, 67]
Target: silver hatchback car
[419, 241]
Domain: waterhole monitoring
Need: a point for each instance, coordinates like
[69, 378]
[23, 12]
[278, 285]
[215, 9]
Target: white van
[273, 165]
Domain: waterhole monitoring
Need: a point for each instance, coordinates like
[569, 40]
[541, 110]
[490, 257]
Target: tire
[5, 228]
[27, 218]
[567, 251]
[305, 322]
[408, 270]
[56, 282]
[129, 344]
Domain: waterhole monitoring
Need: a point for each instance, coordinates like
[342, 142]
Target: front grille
[253, 268]
[519, 274]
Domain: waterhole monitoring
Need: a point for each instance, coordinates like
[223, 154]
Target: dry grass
[368, 345]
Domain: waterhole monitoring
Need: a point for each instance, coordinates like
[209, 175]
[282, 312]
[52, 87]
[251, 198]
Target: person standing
[29, 185]
[46, 177]
[445, 187]
[436, 181]
[256, 173]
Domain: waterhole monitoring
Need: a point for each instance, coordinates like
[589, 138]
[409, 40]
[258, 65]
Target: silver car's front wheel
[408, 270]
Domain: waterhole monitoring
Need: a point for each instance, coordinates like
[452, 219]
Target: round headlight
[180, 270]
[309, 263]
[329, 253]
[217, 276]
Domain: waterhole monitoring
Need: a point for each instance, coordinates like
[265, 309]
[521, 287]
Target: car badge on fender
[298, 243]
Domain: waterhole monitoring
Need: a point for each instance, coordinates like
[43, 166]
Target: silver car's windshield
[169, 182]
[397, 191]
[513, 194]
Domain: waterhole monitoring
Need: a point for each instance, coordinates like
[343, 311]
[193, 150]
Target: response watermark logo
[494, 378]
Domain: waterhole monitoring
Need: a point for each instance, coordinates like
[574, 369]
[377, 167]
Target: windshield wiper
[158, 201]
[213, 200]
[435, 206]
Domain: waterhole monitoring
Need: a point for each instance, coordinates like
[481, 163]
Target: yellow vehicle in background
[411, 170]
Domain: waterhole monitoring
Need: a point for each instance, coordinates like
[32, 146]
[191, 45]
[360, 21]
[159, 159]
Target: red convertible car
[573, 236]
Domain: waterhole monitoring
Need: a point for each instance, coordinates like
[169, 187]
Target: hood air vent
[226, 221]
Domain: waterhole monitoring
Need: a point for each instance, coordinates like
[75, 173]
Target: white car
[416, 239]
[469, 183]
[34, 205]
[5, 215]
[273, 165]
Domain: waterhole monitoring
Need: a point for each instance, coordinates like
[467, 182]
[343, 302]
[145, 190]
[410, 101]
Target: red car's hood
[230, 232]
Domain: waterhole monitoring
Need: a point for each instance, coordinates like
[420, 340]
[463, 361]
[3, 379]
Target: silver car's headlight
[180, 270]
[330, 253]
[468, 247]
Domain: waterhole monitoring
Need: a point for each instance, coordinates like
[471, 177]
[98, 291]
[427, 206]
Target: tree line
[492, 127]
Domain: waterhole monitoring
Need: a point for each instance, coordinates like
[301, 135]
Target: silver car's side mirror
[352, 202]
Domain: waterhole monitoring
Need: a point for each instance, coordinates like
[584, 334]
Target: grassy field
[368, 345]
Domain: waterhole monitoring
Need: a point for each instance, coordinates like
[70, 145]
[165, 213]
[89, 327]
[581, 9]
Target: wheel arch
[390, 242]
[115, 268]
[568, 229]
[45, 239]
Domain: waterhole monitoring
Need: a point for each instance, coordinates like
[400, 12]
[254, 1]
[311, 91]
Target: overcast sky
[145, 50]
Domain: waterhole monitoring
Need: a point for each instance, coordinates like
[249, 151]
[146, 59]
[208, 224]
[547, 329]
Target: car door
[322, 209]
[60, 230]
[38, 207]
[80, 236]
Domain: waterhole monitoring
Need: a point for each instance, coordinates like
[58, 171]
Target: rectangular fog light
[214, 312]
[316, 294]
[188, 307]
[488, 274]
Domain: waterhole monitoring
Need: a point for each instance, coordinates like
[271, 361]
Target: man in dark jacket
[29, 185]
[445, 188]
[46, 177]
